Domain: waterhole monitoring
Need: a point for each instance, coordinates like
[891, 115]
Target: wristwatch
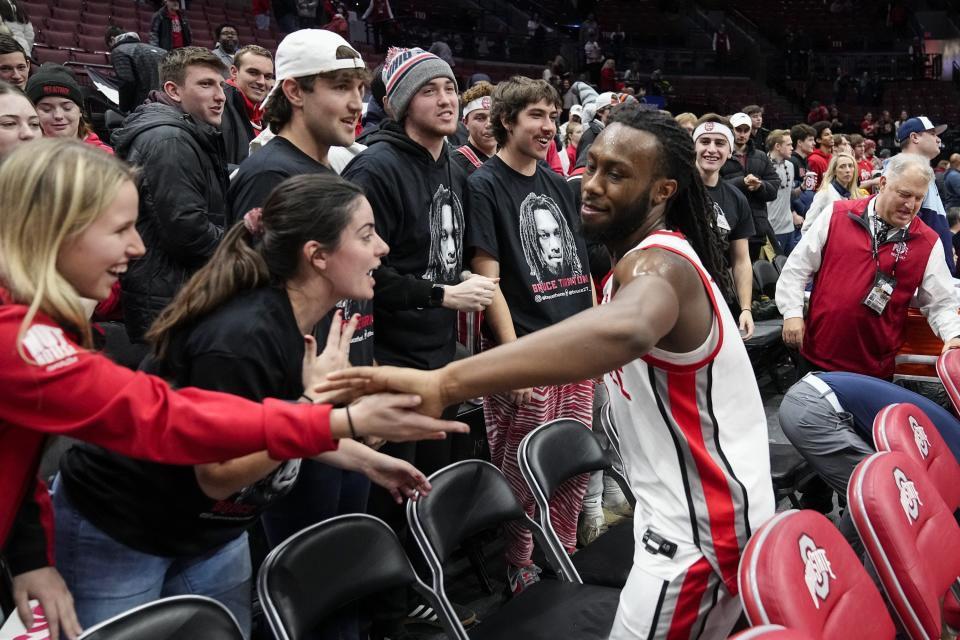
[436, 295]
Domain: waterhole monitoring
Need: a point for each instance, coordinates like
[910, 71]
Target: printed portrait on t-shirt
[548, 244]
[273, 486]
[446, 237]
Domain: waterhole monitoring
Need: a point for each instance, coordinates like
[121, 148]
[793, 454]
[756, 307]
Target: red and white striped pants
[507, 424]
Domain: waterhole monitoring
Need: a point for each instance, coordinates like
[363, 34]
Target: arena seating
[175, 617]
[798, 571]
[304, 579]
[938, 100]
[772, 17]
[911, 536]
[907, 429]
[552, 454]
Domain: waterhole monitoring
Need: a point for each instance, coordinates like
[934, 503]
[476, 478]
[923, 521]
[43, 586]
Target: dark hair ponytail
[300, 209]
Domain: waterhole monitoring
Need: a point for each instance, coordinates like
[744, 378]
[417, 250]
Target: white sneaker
[590, 528]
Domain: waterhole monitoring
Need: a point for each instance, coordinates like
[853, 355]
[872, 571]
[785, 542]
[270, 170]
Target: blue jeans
[107, 578]
[321, 492]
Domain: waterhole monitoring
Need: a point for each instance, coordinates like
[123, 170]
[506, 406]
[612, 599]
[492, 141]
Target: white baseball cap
[576, 110]
[740, 119]
[310, 51]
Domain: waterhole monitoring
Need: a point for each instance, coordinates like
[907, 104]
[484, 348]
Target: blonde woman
[839, 183]
[67, 231]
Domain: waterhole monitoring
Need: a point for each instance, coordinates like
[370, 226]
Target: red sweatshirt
[818, 162]
[67, 390]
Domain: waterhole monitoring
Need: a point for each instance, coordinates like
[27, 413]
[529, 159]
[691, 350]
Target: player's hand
[366, 380]
[752, 182]
[746, 324]
[473, 294]
[399, 417]
[793, 332]
[46, 586]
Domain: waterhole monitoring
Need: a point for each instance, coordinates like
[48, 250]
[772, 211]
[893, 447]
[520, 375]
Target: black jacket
[236, 128]
[758, 163]
[183, 185]
[401, 180]
[161, 30]
[137, 66]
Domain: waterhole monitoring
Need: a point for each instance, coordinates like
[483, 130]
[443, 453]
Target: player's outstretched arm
[587, 345]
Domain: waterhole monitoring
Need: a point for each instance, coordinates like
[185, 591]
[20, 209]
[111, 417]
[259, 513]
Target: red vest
[842, 334]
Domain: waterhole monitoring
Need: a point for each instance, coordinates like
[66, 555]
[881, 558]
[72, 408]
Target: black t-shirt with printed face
[361, 345]
[529, 224]
[734, 217]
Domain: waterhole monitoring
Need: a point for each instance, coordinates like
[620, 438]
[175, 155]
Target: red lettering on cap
[50, 88]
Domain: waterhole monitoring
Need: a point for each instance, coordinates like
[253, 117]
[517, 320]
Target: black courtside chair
[314, 573]
[473, 496]
[551, 455]
[174, 618]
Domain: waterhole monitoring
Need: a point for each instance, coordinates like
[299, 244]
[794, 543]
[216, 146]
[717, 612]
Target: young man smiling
[524, 228]
[692, 426]
[251, 77]
[314, 105]
[714, 141]
[176, 141]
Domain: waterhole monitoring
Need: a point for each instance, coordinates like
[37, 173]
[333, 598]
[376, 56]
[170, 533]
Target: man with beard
[524, 228]
[228, 39]
[691, 422]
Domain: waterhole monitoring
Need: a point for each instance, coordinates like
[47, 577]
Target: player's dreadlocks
[690, 210]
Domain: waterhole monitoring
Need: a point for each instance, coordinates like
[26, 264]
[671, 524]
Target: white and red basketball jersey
[693, 436]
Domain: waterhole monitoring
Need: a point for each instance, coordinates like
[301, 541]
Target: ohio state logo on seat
[920, 437]
[816, 569]
[909, 498]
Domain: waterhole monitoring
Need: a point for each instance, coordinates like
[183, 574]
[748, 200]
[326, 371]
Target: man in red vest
[878, 255]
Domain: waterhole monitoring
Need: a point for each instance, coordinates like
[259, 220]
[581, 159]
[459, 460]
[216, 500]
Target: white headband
[714, 127]
[482, 102]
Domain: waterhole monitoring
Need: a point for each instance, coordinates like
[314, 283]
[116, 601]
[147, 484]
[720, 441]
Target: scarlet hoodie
[53, 386]
[818, 162]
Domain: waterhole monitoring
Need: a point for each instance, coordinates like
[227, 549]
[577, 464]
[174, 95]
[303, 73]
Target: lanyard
[875, 228]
